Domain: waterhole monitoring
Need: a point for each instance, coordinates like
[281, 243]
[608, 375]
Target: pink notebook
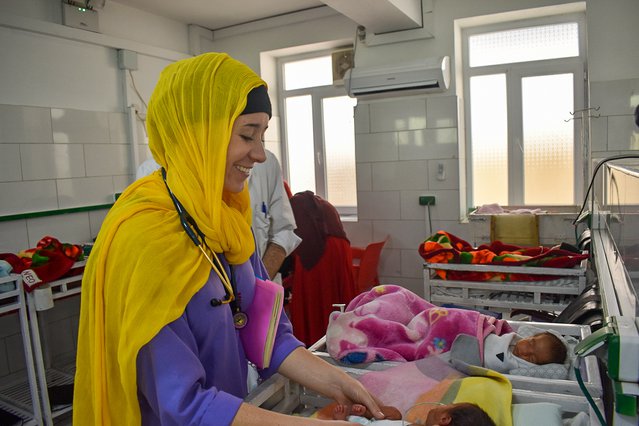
[263, 317]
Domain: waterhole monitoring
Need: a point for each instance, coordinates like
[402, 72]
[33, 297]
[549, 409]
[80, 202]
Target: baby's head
[540, 349]
[458, 414]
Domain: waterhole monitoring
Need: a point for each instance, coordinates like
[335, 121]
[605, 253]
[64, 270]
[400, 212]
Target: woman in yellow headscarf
[157, 342]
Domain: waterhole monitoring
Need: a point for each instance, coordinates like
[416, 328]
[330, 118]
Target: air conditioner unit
[415, 77]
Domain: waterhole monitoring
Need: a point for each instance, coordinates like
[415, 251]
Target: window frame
[515, 72]
[317, 93]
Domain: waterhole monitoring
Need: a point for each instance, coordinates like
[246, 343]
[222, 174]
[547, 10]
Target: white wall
[396, 161]
[65, 136]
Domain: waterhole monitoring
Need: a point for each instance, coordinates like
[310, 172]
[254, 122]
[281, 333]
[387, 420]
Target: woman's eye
[247, 138]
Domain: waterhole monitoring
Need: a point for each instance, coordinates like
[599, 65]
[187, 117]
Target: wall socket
[426, 200]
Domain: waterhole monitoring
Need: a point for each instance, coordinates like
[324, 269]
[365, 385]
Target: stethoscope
[197, 236]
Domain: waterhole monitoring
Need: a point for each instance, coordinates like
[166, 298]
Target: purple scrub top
[194, 370]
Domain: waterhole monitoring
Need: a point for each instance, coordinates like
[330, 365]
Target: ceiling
[216, 14]
[378, 16]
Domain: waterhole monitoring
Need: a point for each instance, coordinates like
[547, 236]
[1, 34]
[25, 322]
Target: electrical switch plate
[441, 171]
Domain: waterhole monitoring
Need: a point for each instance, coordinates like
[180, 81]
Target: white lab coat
[273, 219]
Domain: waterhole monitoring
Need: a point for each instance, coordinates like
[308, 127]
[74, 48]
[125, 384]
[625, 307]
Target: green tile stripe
[54, 212]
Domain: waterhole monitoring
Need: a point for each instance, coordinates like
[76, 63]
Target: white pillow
[536, 414]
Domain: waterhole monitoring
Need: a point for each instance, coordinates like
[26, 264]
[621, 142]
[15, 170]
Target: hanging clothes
[322, 274]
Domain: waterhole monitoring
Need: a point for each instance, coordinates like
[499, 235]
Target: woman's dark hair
[469, 414]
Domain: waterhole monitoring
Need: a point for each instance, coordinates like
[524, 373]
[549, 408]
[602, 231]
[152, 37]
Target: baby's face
[536, 349]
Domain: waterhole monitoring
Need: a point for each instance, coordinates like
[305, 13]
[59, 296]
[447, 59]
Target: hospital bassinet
[281, 395]
[550, 295]
[588, 366]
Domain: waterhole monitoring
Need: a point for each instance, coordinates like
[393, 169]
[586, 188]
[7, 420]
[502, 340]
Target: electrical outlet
[426, 200]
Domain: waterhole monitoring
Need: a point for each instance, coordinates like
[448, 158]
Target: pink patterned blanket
[391, 323]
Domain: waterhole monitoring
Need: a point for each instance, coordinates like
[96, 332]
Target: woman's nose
[258, 153]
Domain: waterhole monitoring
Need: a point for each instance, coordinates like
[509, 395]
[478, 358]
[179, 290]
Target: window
[318, 131]
[522, 83]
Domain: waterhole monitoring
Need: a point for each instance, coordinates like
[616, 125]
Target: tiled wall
[399, 146]
[52, 158]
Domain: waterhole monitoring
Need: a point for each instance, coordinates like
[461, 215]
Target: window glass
[524, 44]
[489, 127]
[308, 73]
[339, 143]
[299, 139]
[548, 139]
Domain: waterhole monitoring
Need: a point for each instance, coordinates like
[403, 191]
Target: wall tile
[376, 147]
[378, 205]
[461, 230]
[415, 285]
[428, 144]
[446, 205]
[15, 353]
[614, 97]
[24, 197]
[118, 127]
[406, 234]
[450, 176]
[9, 325]
[40, 161]
[364, 176]
[412, 264]
[103, 159]
[362, 118]
[599, 134]
[22, 124]
[621, 133]
[96, 217]
[404, 114]
[399, 175]
[85, 191]
[390, 262]
[273, 132]
[10, 169]
[14, 236]
[75, 126]
[359, 233]
[4, 360]
[409, 205]
[441, 112]
[121, 182]
[68, 228]
[62, 309]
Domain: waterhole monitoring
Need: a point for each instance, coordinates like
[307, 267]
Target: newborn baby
[457, 414]
[510, 351]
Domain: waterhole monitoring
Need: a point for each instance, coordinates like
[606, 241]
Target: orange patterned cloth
[444, 247]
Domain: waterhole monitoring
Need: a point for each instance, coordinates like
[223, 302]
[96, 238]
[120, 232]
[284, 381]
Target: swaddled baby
[510, 351]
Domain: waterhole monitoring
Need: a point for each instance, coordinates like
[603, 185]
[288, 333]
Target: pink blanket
[390, 323]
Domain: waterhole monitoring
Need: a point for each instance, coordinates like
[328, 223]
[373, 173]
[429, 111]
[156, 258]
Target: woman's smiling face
[245, 149]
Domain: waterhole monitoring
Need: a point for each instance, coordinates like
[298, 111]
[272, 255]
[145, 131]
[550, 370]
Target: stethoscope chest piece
[240, 319]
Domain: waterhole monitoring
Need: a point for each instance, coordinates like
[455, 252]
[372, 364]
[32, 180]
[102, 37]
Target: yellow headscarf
[143, 269]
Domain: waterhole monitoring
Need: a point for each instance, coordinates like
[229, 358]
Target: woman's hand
[313, 372]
